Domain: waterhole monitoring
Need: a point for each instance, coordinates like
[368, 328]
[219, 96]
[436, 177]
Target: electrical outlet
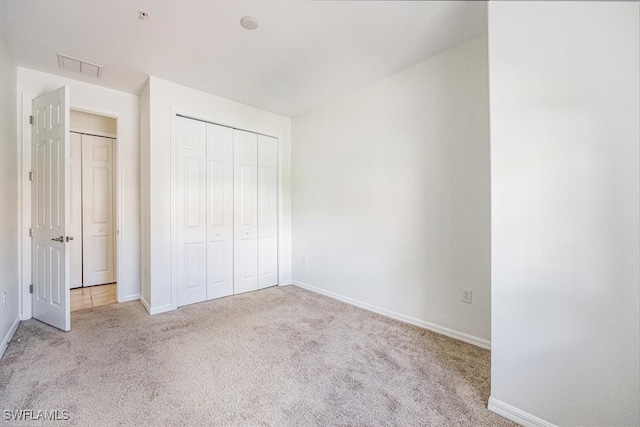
[466, 295]
[4, 299]
[304, 262]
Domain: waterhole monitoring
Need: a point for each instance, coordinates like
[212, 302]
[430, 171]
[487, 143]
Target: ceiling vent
[79, 66]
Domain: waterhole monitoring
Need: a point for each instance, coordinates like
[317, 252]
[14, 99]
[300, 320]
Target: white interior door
[98, 255]
[219, 211]
[75, 214]
[267, 211]
[245, 211]
[50, 262]
[190, 211]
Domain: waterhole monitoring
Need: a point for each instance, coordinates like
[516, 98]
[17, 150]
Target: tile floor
[93, 296]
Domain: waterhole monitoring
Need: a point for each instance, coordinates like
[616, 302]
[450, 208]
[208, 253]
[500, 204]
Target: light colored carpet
[281, 356]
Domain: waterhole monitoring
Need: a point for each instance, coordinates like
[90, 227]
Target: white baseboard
[155, 310]
[9, 336]
[145, 304]
[161, 309]
[517, 415]
[399, 316]
[128, 298]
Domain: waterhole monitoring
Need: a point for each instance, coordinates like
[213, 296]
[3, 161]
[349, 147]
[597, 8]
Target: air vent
[79, 66]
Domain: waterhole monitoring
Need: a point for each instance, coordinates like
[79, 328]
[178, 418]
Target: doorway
[45, 153]
[93, 250]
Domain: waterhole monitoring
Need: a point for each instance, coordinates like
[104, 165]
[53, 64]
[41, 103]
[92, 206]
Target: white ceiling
[303, 53]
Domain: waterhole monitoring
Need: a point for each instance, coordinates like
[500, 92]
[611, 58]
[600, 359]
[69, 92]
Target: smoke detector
[79, 66]
[249, 23]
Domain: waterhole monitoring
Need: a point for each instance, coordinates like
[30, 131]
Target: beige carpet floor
[279, 357]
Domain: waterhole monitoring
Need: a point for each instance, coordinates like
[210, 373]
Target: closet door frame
[188, 114]
[78, 136]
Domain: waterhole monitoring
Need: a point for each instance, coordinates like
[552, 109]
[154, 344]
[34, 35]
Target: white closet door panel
[245, 211]
[267, 211]
[190, 211]
[219, 211]
[97, 211]
[75, 214]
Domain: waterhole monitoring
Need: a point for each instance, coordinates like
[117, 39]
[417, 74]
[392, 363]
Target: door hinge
[31, 232]
[30, 289]
[30, 176]
[30, 120]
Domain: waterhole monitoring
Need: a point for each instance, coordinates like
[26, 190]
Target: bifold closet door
[204, 211]
[267, 211]
[226, 213]
[190, 211]
[245, 146]
[98, 255]
[219, 211]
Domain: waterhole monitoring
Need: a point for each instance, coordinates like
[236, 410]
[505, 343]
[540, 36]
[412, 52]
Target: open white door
[50, 260]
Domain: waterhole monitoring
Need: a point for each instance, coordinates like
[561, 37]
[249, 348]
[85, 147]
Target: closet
[225, 211]
[92, 250]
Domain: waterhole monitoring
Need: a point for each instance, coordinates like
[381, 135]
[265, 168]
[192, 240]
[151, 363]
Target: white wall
[9, 252]
[565, 172]
[391, 195]
[166, 97]
[109, 102]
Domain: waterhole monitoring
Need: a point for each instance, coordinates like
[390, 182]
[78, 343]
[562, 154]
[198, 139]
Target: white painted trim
[9, 336]
[145, 304]
[280, 208]
[127, 298]
[172, 201]
[461, 336]
[155, 310]
[22, 229]
[161, 309]
[517, 415]
[24, 203]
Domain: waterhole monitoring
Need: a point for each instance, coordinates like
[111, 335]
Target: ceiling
[302, 54]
